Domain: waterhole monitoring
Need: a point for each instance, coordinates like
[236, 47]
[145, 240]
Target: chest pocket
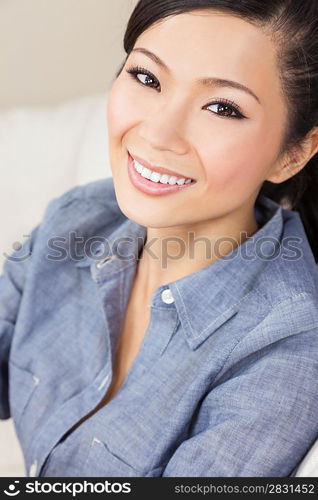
[102, 462]
[22, 384]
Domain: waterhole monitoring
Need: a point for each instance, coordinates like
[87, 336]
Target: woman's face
[170, 119]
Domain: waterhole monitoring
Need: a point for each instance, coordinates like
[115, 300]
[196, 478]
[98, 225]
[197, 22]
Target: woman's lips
[160, 170]
[150, 187]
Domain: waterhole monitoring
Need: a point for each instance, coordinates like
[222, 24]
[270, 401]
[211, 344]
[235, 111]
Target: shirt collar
[204, 299]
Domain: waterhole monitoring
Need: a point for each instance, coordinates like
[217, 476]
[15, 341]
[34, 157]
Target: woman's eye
[147, 79]
[225, 109]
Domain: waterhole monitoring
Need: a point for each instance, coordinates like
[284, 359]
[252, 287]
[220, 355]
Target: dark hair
[294, 25]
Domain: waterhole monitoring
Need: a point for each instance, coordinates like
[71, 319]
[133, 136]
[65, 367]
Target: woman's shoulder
[276, 284]
[292, 271]
[95, 195]
[286, 264]
[87, 208]
[80, 214]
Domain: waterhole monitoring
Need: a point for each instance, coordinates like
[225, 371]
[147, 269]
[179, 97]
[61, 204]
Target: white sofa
[44, 152]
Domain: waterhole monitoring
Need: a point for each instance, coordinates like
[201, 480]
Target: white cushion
[309, 465]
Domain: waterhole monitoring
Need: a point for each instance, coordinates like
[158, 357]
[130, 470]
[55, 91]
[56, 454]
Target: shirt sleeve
[261, 414]
[12, 280]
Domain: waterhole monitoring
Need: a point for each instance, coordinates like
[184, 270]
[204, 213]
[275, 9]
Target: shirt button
[32, 471]
[105, 261]
[166, 296]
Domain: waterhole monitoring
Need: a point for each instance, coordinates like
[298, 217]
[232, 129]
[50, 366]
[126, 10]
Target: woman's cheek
[120, 110]
[235, 173]
[125, 108]
[247, 158]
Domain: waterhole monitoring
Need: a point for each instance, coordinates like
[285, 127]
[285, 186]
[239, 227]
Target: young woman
[186, 343]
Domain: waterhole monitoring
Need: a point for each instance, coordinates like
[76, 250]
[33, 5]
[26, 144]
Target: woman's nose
[166, 129]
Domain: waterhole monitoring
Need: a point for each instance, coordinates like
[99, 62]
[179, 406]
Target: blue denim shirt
[225, 382]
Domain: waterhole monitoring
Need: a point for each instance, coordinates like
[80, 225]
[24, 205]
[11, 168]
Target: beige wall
[53, 50]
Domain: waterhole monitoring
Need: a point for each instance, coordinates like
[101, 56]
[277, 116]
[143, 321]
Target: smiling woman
[169, 357]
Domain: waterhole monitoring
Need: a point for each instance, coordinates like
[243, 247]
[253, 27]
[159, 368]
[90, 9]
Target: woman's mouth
[154, 182]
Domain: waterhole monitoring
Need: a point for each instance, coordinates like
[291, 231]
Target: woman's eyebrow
[210, 82]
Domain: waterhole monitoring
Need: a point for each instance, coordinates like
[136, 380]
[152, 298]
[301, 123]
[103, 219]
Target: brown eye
[148, 79]
[225, 110]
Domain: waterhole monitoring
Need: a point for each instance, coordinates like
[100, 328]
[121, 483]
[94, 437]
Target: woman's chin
[143, 217]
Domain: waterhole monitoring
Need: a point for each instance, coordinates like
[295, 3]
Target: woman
[186, 343]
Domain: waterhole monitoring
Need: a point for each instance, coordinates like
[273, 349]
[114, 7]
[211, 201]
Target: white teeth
[146, 173]
[156, 177]
[164, 179]
[138, 167]
[173, 180]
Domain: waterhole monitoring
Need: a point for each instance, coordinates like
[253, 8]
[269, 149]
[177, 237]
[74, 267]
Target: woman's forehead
[210, 32]
[214, 44]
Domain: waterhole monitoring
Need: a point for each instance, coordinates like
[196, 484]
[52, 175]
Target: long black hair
[294, 24]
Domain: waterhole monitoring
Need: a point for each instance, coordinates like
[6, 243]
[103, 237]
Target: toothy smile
[154, 176]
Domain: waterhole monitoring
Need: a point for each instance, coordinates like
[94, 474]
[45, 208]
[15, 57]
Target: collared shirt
[224, 383]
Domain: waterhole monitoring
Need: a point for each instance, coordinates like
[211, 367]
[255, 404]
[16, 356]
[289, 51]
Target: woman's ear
[297, 159]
